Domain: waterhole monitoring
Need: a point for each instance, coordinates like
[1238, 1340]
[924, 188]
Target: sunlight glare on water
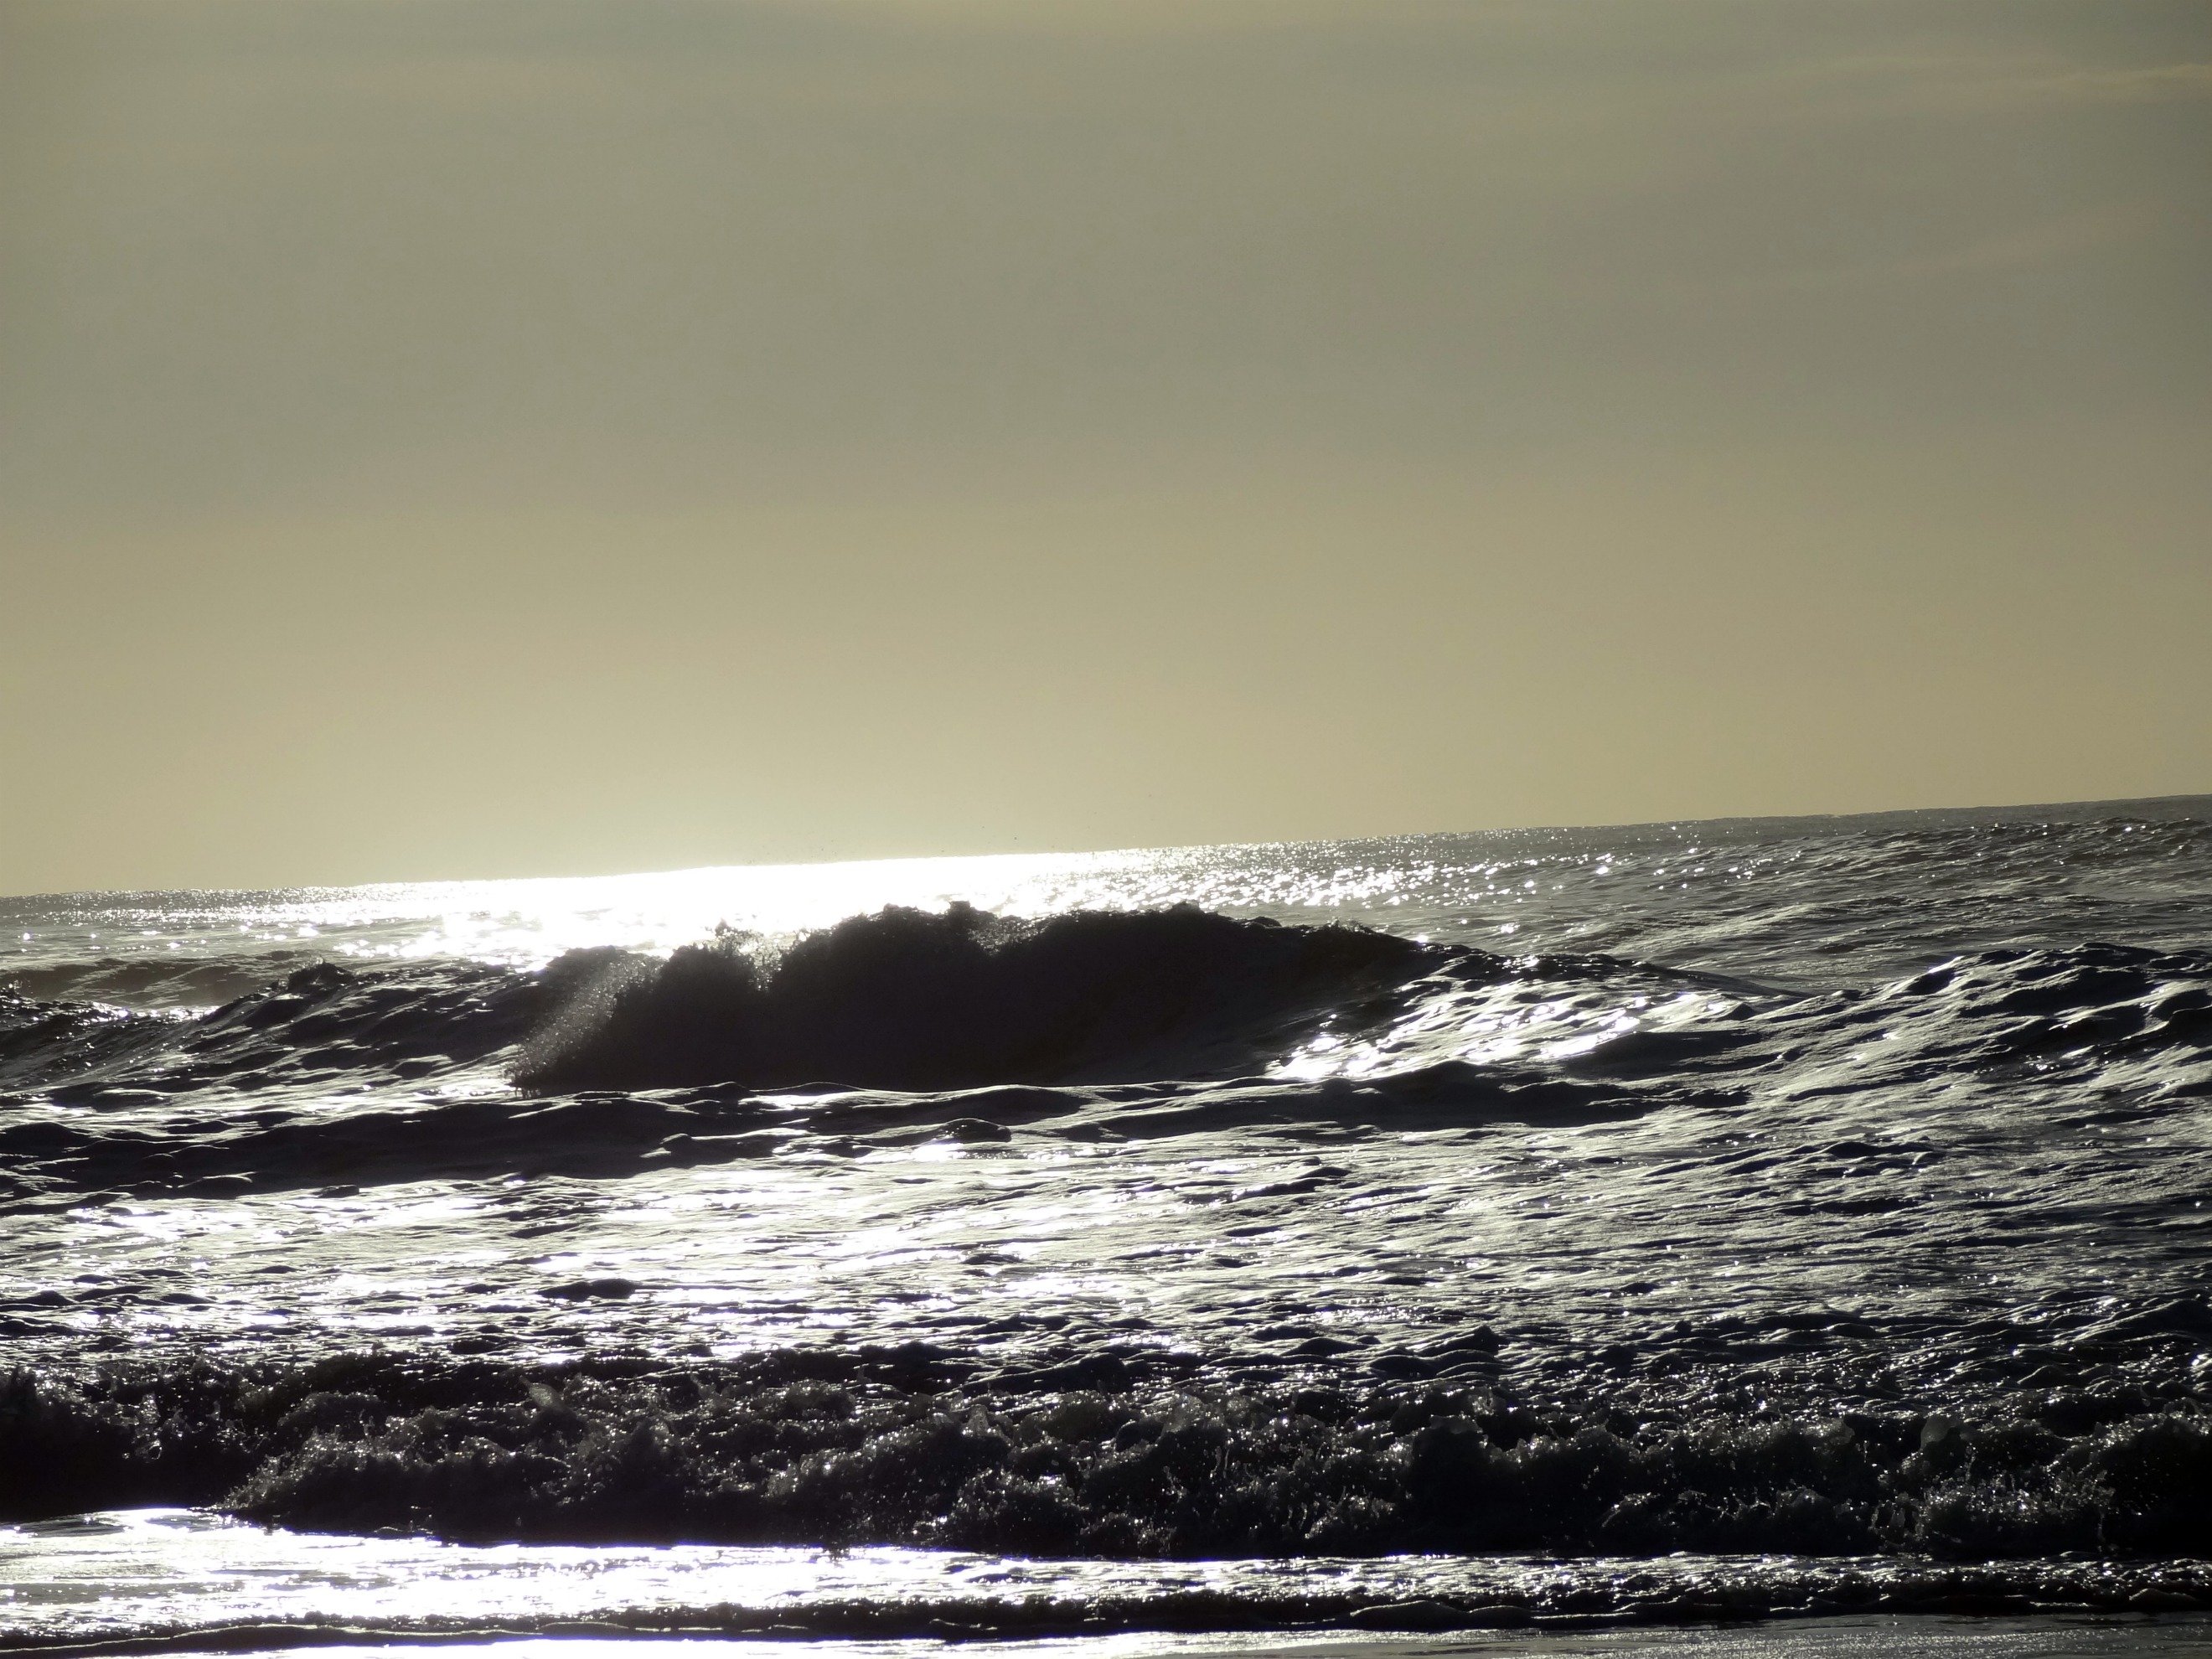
[1832, 1187]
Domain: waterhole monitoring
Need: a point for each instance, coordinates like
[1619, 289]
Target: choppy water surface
[1221, 1238]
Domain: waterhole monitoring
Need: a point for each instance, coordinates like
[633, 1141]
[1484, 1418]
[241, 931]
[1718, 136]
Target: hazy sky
[485, 437]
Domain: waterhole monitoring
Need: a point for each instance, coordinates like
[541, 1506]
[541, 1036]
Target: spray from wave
[1160, 1233]
[915, 999]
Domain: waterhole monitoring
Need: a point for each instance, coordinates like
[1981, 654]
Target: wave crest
[917, 1000]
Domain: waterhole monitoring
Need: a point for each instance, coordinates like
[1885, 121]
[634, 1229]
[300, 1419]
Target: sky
[472, 438]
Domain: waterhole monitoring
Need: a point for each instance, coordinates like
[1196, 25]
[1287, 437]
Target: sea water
[1534, 1232]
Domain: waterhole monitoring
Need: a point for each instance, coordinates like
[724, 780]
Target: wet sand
[1839, 1639]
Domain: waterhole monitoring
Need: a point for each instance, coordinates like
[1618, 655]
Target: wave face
[1834, 1187]
[920, 1000]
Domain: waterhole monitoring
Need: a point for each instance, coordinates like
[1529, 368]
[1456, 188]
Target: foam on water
[1836, 1188]
[73, 1587]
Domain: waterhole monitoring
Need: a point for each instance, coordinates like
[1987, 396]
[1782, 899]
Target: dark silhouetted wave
[1132, 1452]
[917, 1000]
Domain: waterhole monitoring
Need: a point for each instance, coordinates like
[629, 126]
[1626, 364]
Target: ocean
[1587, 1240]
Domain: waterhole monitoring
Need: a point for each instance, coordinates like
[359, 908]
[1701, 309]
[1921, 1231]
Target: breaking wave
[896, 1027]
[1158, 1236]
[1129, 1454]
[919, 999]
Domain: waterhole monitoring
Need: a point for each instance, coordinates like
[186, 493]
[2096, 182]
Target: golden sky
[491, 437]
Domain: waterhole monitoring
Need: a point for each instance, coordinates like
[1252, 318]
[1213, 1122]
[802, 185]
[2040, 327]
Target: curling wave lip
[1834, 1187]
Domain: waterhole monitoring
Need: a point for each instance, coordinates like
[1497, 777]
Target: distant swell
[914, 999]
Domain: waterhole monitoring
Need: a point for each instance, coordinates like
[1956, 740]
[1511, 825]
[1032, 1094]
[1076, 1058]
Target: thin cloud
[2159, 83]
[2047, 241]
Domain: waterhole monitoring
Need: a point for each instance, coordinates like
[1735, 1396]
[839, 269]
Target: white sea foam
[1834, 1186]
